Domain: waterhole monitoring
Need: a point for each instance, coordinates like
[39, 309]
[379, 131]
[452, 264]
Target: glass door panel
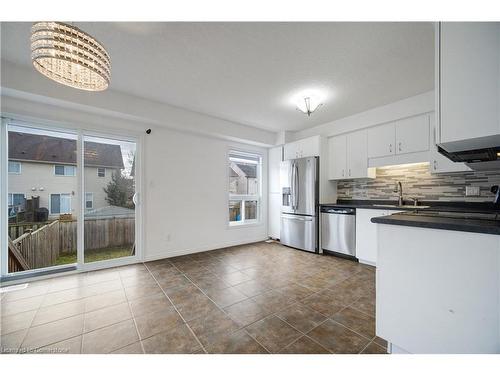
[109, 190]
[42, 202]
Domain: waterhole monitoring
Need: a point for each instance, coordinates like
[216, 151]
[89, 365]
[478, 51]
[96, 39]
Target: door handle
[297, 218]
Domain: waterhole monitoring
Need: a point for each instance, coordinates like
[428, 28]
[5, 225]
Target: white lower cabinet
[366, 234]
[274, 215]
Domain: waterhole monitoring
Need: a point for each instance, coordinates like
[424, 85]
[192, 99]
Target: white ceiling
[248, 72]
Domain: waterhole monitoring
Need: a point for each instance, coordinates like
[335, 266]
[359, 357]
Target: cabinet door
[440, 163]
[381, 140]
[357, 155]
[366, 235]
[412, 134]
[274, 215]
[469, 81]
[337, 160]
[275, 156]
[290, 151]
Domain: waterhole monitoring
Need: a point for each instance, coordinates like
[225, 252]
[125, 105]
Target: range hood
[483, 159]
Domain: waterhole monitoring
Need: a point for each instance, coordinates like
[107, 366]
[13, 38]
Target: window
[14, 167]
[16, 203]
[89, 200]
[64, 170]
[60, 203]
[244, 187]
[101, 172]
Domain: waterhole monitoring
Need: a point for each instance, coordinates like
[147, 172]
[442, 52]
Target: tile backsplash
[419, 183]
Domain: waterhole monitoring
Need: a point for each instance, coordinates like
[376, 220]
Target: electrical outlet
[472, 191]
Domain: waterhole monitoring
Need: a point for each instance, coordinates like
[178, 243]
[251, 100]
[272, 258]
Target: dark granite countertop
[439, 220]
[485, 207]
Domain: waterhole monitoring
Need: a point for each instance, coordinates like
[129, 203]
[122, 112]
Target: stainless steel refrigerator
[299, 203]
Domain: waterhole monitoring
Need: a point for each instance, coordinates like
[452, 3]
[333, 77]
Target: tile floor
[256, 298]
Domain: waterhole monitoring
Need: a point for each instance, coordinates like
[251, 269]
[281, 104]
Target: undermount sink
[400, 206]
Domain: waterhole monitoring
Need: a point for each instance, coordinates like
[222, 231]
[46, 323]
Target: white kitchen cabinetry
[348, 156]
[382, 138]
[302, 148]
[468, 84]
[275, 158]
[399, 137]
[439, 163]
[412, 134]
[337, 162]
[366, 234]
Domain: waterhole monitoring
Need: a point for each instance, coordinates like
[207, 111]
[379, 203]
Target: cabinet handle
[390, 148]
[342, 173]
[399, 146]
[349, 172]
[435, 164]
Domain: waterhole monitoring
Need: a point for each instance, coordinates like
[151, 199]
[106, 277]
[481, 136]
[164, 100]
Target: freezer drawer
[338, 233]
[299, 231]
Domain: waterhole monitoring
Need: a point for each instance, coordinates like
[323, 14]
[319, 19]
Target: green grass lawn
[95, 255]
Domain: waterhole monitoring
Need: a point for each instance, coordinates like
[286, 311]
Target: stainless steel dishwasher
[338, 231]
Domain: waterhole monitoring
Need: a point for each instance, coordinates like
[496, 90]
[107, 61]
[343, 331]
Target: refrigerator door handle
[296, 187]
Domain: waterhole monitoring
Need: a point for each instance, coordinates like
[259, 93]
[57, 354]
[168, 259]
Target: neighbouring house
[45, 166]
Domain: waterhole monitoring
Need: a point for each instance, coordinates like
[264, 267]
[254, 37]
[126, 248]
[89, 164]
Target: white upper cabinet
[302, 148]
[382, 138]
[357, 155]
[337, 161]
[348, 156]
[400, 137]
[439, 163]
[275, 157]
[412, 134]
[468, 84]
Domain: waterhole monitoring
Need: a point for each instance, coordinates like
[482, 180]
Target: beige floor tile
[304, 345]
[60, 311]
[208, 328]
[107, 316]
[104, 300]
[10, 343]
[246, 312]
[158, 321]
[357, 321]
[19, 306]
[226, 297]
[179, 339]
[53, 332]
[16, 322]
[273, 333]
[338, 339]
[195, 307]
[301, 317]
[149, 304]
[69, 346]
[238, 342]
[108, 339]
[135, 348]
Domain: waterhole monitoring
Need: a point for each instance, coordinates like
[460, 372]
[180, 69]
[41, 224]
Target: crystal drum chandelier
[70, 56]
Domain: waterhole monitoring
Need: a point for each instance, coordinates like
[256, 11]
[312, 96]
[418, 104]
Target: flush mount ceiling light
[308, 105]
[67, 55]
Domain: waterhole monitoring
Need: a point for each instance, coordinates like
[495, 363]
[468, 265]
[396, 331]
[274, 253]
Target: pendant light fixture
[308, 105]
[67, 55]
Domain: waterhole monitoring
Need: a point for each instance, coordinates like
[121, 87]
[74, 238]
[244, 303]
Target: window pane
[89, 200]
[69, 170]
[250, 210]
[101, 172]
[14, 167]
[59, 170]
[55, 203]
[65, 203]
[234, 210]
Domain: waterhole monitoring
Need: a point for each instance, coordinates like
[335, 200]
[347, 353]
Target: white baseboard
[174, 253]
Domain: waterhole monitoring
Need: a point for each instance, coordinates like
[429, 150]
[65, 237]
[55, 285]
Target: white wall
[185, 174]
[411, 106]
[186, 195]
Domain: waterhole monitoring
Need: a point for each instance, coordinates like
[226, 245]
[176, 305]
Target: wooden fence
[42, 246]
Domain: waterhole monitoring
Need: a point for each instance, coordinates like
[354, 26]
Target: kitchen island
[438, 284]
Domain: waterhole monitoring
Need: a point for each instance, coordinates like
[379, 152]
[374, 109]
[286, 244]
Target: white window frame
[11, 195]
[60, 213]
[87, 200]
[14, 162]
[104, 169]
[65, 166]
[245, 197]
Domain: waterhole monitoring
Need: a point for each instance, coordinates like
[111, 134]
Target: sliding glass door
[42, 198]
[109, 209]
[69, 200]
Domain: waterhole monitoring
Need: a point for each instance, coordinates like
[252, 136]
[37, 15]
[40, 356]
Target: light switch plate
[472, 191]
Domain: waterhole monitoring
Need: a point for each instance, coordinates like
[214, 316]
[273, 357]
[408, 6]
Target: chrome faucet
[398, 188]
